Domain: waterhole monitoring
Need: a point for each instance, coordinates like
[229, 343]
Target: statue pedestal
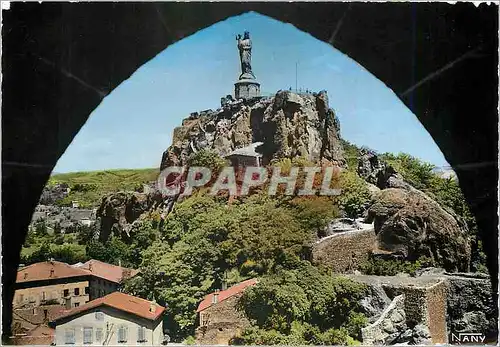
[246, 89]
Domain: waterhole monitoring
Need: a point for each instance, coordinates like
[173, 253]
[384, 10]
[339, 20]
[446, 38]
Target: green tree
[354, 194]
[415, 171]
[304, 295]
[40, 228]
[203, 239]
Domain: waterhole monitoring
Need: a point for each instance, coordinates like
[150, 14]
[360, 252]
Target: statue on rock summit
[245, 48]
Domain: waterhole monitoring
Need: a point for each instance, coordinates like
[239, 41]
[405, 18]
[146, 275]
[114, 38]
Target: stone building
[51, 282]
[115, 319]
[346, 247]
[54, 282]
[246, 156]
[106, 278]
[219, 318]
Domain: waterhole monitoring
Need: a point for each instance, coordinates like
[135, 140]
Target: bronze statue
[245, 48]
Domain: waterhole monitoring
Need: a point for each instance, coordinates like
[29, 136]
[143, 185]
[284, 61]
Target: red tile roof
[36, 315]
[225, 294]
[122, 302]
[48, 270]
[107, 271]
[41, 335]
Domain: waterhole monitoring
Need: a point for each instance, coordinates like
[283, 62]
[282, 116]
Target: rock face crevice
[289, 125]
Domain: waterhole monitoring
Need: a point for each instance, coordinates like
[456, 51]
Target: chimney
[152, 307]
[90, 266]
[119, 262]
[25, 275]
[215, 297]
[51, 272]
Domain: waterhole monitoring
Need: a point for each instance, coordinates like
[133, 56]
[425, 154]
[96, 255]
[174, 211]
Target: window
[66, 292]
[76, 304]
[77, 291]
[141, 334]
[69, 336]
[43, 296]
[98, 335]
[122, 334]
[88, 333]
[86, 290]
[99, 316]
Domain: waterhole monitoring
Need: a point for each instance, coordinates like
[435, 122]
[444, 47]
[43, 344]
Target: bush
[190, 340]
[207, 158]
[381, 267]
[302, 306]
[415, 171]
[300, 334]
[354, 194]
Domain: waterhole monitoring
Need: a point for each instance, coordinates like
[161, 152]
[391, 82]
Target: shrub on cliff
[354, 194]
[415, 171]
[207, 158]
[386, 267]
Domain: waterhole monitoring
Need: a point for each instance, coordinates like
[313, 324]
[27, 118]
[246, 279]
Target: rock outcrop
[389, 326]
[289, 125]
[470, 304]
[409, 222]
[118, 211]
[378, 173]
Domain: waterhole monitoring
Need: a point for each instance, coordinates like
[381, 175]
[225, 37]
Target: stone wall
[344, 252]
[221, 322]
[424, 300]
[436, 308]
[36, 296]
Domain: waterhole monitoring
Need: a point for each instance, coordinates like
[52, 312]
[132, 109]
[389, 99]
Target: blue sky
[133, 125]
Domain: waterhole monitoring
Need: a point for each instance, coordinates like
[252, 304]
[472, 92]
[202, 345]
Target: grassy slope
[89, 187]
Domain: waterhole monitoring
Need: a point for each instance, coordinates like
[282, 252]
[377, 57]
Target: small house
[115, 319]
[246, 156]
[220, 320]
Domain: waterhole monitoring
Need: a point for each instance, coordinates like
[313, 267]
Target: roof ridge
[105, 301]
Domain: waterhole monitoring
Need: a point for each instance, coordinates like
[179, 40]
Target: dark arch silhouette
[61, 59]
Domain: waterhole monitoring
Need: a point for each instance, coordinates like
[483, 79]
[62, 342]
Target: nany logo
[467, 338]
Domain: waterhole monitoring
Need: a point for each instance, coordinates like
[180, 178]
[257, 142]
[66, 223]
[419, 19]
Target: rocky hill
[185, 247]
[289, 125]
